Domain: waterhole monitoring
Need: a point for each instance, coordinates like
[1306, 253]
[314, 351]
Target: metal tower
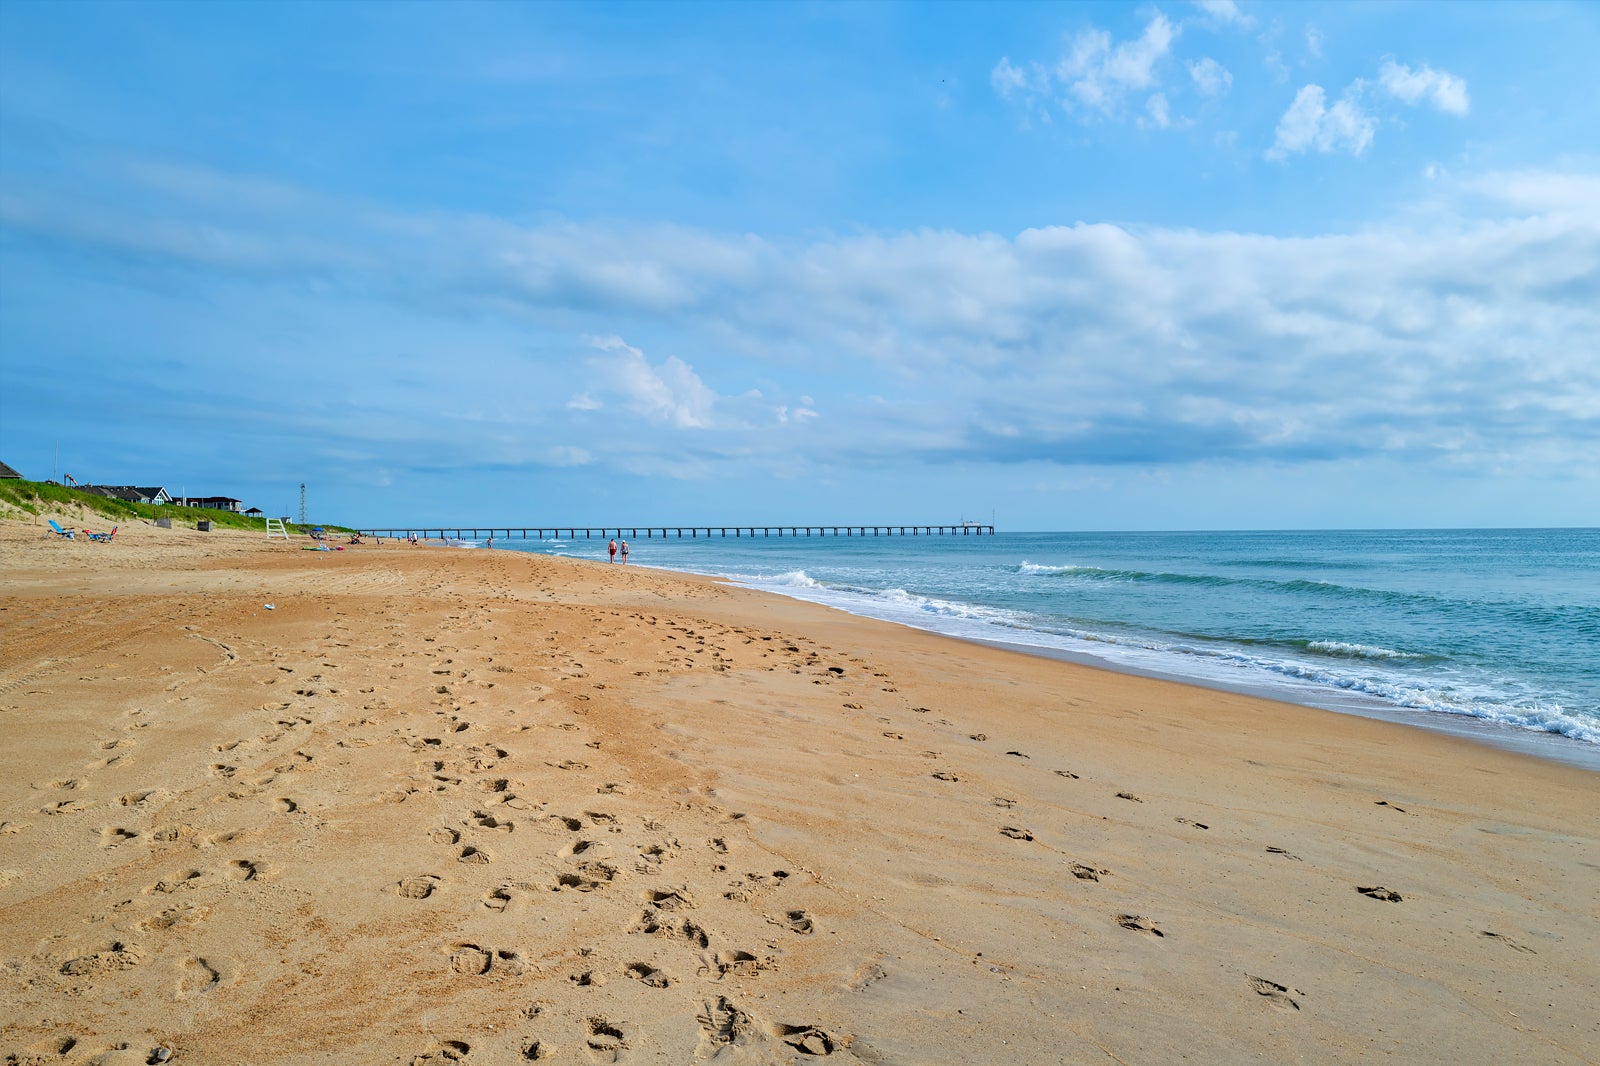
[302, 503]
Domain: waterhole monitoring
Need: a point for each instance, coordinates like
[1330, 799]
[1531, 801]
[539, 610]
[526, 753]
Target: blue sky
[1087, 266]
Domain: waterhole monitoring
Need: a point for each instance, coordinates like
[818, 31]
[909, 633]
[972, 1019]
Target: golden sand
[489, 807]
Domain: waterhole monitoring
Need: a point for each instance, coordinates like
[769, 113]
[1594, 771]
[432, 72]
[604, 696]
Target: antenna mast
[302, 503]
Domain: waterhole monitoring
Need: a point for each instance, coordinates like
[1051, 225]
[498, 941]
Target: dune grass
[36, 497]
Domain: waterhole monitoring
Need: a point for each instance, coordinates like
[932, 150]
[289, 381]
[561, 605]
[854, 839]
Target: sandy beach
[439, 805]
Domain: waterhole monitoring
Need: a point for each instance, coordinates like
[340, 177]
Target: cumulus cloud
[1098, 77]
[1068, 345]
[1442, 90]
[1311, 124]
[1210, 77]
[669, 392]
[1099, 74]
[1157, 112]
[1349, 124]
[1224, 13]
[1015, 82]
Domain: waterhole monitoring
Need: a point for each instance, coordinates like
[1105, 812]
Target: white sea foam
[1220, 664]
[1094, 611]
[1360, 651]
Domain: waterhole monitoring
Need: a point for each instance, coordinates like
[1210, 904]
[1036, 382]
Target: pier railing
[678, 532]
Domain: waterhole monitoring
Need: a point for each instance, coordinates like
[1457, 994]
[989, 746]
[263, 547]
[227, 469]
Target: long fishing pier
[963, 529]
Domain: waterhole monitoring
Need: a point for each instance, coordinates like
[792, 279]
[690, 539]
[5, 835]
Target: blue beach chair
[58, 531]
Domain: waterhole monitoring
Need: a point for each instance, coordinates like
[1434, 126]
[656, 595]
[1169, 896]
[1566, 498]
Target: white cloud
[669, 392]
[1100, 75]
[1016, 82]
[568, 455]
[1225, 13]
[1314, 40]
[1084, 344]
[1158, 112]
[1571, 196]
[1443, 90]
[1210, 77]
[1309, 123]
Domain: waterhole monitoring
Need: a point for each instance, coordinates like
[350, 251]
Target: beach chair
[104, 538]
[58, 531]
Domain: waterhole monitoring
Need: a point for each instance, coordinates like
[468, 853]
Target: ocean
[1490, 633]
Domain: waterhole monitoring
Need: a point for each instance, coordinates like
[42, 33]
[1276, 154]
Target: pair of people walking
[612, 548]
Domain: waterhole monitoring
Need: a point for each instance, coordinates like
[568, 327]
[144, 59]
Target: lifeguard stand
[276, 528]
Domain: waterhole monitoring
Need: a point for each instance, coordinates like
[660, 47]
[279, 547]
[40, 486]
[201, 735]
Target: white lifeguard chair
[276, 528]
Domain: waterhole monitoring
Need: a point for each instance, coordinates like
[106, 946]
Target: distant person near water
[624, 551]
[612, 548]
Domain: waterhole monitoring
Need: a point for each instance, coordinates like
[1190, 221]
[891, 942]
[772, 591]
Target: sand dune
[441, 805]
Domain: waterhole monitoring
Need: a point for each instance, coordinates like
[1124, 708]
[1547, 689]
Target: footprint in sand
[946, 775]
[808, 1039]
[181, 916]
[485, 820]
[606, 1041]
[445, 1051]
[112, 835]
[119, 956]
[472, 960]
[800, 922]
[1129, 796]
[1015, 832]
[722, 1025]
[1065, 773]
[1388, 895]
[739, 963]
[582, 882]
[652, 856]
[1276, 994]
[245, 870]
[1086, 873]
[1139, 924]
[420, 887]
[1507, 941]
[1186, 821]
[197, 976]
[1286, 854]
[648, 975]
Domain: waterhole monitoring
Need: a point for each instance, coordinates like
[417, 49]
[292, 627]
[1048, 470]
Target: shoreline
[442, 806]
[1539, 744]
[1542, 744]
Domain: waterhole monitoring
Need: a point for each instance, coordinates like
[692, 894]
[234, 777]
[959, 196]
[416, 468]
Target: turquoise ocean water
[1494, 633]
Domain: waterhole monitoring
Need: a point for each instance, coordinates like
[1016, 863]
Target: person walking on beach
[624, 552]
[612, 548]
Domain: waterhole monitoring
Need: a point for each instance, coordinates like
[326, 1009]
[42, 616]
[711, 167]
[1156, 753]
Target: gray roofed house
[8, 472]
[131, 493]
[215, 503]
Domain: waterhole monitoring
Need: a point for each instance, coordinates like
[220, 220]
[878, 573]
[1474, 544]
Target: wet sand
[442, 805]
